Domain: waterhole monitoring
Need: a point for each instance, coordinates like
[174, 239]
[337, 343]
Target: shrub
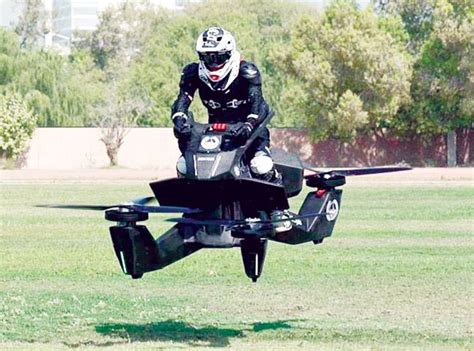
[17, 124]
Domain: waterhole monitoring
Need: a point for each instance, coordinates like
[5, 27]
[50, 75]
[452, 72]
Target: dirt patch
[83, 175]
[426, 174]
[465, 175]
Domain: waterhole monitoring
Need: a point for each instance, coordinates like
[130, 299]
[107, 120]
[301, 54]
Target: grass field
[397, 274]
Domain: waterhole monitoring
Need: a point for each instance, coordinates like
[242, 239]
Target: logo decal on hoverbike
[332, 210]
[210, 142]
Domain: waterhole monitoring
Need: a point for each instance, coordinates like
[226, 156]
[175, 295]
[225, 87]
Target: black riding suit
[243, 98]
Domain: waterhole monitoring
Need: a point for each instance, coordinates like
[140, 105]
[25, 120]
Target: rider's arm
[258, 106]
[187, 88]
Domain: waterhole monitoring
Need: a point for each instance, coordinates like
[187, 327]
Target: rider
[231, 90]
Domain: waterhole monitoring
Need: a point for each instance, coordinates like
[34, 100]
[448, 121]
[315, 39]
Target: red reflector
[320, 193]
[220, 127]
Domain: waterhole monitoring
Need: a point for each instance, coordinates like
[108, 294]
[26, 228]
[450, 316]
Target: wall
[372, 150]
[72, 148]
[156, 148]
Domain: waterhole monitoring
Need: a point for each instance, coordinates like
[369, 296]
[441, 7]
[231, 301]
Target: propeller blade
[358, 171]
[80, 207]
[370, 170]
[164, 209]
[138, 205]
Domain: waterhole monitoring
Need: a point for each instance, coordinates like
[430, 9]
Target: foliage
[17, 124]
[60, 90]
[355, 75]
[416, 16]
[116, 45]
[442, 87]
[121, 34]
[9, 52]
[348, 116]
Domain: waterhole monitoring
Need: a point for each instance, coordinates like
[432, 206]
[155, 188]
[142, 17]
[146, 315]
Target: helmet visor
[213, 60]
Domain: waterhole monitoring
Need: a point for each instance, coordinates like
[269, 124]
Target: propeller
[241, 222]
[357, 171]
[137, 205]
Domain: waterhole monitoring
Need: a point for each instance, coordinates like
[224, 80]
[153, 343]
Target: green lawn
[397, 274]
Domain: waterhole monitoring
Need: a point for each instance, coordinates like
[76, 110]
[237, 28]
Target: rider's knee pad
[181, 166]
[261, 164]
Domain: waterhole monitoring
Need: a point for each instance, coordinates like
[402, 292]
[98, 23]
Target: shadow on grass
[181, 332]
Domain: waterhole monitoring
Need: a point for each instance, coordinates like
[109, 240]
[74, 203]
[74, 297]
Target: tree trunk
[112, 152]
[451, 148]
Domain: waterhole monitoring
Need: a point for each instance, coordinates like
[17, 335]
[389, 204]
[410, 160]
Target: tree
[17, 124]
[444, 72]
[416, 15]
[60, 90]
[442, 87]
[121, 34]
[354, 75]
[114, 118]
[114, 45]
[31, 26]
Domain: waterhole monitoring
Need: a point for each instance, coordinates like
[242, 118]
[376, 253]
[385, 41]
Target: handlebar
[200, 129]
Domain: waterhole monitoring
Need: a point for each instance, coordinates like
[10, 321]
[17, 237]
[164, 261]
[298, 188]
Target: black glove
[181, 124]
[241, 130]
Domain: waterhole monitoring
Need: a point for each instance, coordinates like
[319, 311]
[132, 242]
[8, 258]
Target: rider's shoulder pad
[190, 71]
[249, 71]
